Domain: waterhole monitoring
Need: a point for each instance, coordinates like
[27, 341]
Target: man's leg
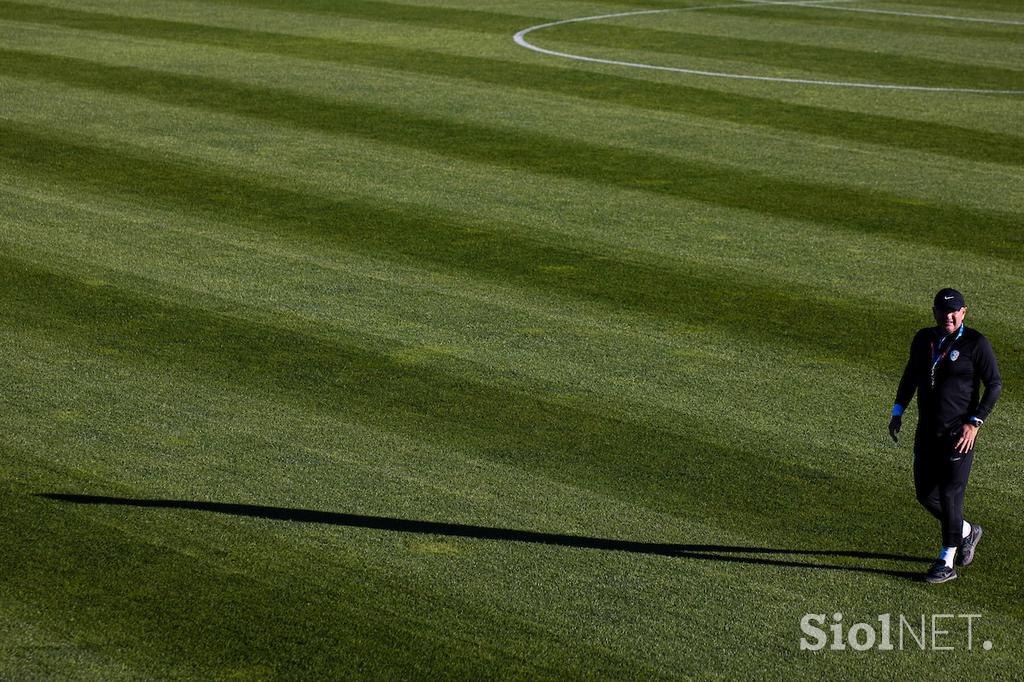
[926, 482]
[929, 469]
[952, 486]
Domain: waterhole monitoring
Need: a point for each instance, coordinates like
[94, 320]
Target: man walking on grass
[947, 365]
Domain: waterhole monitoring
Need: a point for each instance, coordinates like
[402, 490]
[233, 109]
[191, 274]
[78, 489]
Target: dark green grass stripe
[966, 9]
[696, 295]
[875, 212]
[868, 65]
[651, 4]
[888, 23]
[935, 138]
[679, 469]
[418, 15]
[976, 9]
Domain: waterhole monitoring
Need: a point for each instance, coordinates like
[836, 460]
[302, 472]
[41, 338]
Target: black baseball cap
[949, 299]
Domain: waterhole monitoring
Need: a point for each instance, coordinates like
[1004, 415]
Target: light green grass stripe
[33, 650]
[1009, 6]
[434, 16]
[897, 27]
[864, 211]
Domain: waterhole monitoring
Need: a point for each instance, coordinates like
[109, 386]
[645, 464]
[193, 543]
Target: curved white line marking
[520, 40]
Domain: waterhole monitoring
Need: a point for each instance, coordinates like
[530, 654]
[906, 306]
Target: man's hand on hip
[967, 436]
[895, 424]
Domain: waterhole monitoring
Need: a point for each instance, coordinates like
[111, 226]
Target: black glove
[895, 424]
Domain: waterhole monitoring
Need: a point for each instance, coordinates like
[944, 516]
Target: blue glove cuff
[897, 410]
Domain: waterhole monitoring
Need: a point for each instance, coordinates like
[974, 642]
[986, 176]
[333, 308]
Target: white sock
[948, 554]
[967, 529]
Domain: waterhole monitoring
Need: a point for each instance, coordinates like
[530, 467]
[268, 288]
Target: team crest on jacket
[954, 355]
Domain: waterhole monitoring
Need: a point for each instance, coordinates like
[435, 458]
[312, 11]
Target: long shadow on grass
[706, 552]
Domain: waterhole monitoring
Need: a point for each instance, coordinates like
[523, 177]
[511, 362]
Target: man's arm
[988, 371]
[904, 394]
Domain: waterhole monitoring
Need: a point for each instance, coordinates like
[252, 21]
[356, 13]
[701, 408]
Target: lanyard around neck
[936, 359]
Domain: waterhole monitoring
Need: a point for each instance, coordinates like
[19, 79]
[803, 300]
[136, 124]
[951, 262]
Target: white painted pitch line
[942, 17]
[520, 40]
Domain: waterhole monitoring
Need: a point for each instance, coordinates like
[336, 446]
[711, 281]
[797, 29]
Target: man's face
[949, 320]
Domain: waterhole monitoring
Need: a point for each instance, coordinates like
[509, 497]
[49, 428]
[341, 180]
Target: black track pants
[940, 479]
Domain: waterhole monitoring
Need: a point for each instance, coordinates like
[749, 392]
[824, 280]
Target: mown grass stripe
[1009, 6]
[873, 212]
[433, 16]
[892, 131]
[870, 64]
[897, 25]
[698, 295]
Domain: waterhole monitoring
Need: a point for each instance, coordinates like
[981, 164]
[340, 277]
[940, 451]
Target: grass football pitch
[352, 339]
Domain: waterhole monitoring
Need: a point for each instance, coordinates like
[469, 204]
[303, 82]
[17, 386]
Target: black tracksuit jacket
[968, 362]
